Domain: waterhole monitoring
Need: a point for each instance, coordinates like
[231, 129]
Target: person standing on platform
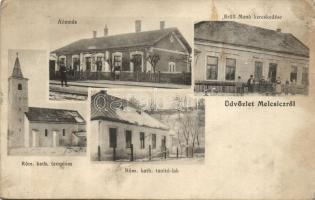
[63, 76]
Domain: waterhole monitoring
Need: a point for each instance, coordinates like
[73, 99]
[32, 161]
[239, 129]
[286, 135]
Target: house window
[128, 139]
[76, 64]
[258, 70]
[293, 75]
[230, 69]
[212, 68]
[19, 86]
[163, 142]
[62, 62]
[153, 141]
[171, 67]
[117, 62]
[88, 63]
[63, 132]
[112, 137]
[46, 132]
[136, 60]
[142, 140]
[305, 76]
[99, 63]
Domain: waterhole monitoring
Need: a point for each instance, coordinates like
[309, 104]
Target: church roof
[143, 38]
[110, 108]
[234, 33]
[52, 115]
[17, 72]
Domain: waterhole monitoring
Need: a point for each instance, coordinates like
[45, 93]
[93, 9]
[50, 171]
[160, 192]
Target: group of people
[266, 86]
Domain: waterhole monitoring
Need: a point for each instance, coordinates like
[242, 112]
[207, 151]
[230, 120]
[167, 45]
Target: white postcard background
[261, 153]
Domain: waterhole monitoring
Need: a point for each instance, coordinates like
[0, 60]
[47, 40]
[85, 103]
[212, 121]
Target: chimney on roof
[279, 30]
[94, 34]
[105, 31]
[138, 26]
[162, 25]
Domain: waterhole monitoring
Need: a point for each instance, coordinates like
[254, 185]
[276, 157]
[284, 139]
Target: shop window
[212, 68]
[258, 70]
[230, 69]
[272, 74]
[293, 74]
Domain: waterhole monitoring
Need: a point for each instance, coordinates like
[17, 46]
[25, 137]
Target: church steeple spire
[17, 72]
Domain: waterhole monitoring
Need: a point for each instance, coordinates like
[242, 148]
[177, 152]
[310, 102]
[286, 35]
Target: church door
[55, 139]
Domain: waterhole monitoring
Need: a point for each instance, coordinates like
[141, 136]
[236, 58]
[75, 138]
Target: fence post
[114, 153]
[99, 153]
[149, 152]
[131, 152]
[187, 151]
[165, 152]
[176, 152]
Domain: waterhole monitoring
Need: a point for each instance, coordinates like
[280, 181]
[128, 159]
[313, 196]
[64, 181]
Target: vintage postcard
[157, 99]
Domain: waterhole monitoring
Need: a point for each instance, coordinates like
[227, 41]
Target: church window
[46, 132]
[19, 86]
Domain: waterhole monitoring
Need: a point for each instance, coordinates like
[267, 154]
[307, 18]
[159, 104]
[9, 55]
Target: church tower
[18, 105]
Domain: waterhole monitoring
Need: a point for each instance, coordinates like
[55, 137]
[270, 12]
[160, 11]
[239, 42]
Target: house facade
[227, 50]
[159, 55]
[39, 127]
[121, 132]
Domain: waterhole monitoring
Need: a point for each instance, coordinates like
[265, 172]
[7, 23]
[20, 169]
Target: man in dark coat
[63, 75]
[250, 83]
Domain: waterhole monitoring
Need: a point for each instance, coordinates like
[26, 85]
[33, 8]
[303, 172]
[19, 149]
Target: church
[39, 127]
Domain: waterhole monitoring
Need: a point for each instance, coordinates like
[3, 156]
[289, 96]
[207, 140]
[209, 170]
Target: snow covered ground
[198, 159]
[57, 96]
[51, 151]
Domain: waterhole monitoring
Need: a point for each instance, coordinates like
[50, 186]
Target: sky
[163, 98]
[65, 34]
[120, 17]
